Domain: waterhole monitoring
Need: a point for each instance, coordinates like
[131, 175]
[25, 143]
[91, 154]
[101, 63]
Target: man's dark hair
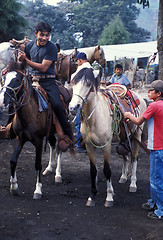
[118, 66]
[43, 27]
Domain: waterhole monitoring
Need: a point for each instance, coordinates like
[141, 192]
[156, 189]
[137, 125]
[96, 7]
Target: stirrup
[65, 143]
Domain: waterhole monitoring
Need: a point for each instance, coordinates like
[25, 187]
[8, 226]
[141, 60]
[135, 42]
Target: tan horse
[96, 130]
[95, 54]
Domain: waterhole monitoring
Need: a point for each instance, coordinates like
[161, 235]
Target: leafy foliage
[61, 28]
[114, 33]
[92, 16]
[12, 24]
[86, 18]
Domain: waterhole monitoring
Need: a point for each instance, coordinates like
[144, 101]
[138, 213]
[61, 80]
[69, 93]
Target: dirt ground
[61, 214]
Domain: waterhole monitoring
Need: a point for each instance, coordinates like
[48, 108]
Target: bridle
[100, 62]
[18, 101]
[87, 95]
[85, 101]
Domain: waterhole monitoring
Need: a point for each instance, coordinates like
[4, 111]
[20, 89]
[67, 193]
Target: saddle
[125, 101]
[20, 43]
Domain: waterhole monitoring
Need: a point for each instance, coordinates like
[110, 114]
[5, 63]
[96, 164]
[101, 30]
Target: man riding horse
[41, 56]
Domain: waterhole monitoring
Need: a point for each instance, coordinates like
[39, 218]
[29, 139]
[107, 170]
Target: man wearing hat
[82, 64]
[154, 116]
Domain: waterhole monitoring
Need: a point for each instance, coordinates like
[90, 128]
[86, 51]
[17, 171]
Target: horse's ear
[97, 48]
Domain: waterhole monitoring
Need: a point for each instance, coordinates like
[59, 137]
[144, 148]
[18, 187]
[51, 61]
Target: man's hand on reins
[22, 56]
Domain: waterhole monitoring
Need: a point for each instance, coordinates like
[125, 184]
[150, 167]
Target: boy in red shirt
[154, 117]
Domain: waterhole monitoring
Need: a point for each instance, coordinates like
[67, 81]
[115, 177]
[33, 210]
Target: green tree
[12, 24]
[114, 33]
[92, 16]
[62, 30]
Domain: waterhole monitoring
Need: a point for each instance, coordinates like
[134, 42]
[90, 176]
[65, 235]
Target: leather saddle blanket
[127, 100]
[43, 99]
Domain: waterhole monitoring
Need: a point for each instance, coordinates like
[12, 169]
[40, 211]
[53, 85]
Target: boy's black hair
[43, 27]
[118, 66]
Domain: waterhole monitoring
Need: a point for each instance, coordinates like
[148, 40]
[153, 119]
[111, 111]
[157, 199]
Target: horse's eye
[88, 83]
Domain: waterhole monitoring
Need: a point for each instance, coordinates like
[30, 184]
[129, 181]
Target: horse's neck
[92, 104]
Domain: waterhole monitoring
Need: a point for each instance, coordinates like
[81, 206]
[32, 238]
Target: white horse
[6, 54]
[96, 130]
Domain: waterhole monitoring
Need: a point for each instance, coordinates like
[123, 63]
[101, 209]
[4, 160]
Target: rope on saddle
[117, 117]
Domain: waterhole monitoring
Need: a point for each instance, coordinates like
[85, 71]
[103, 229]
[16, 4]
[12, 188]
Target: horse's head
[100, 56]
[9, 87]
[9, 51]
[6, 54]
[83, 84]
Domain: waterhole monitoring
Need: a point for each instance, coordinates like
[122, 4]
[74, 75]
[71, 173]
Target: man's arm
[41, 67]
[136, 120]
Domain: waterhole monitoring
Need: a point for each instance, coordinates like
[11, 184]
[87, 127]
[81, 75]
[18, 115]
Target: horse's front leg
[107, 173]
[38, 167]
[93, 173]
[13, 163]
[124, 175]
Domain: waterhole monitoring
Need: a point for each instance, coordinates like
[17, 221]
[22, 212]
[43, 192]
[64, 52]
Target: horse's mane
[13, 66]
[86, 75]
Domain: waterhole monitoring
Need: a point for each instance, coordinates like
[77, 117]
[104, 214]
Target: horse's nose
[74, 110]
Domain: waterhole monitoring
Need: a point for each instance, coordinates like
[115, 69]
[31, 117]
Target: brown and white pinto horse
[96, 130]
[30, 123]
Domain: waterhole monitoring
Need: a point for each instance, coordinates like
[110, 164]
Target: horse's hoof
[90, 203]
[122, 180]
[37, 196]
[58, 179]
[132, 189]
[108, 204]
[14, 192]
[47, 171]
